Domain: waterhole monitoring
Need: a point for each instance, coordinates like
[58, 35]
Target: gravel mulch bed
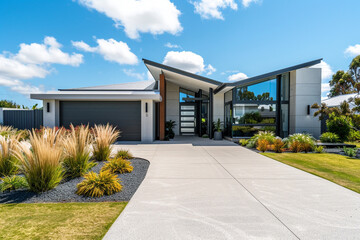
[65, 192]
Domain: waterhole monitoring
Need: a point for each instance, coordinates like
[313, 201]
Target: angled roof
[336, 101]
[131, 86]
[275, 73]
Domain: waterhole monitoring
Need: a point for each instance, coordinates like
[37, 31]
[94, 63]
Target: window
[264, 91]
[186, 94]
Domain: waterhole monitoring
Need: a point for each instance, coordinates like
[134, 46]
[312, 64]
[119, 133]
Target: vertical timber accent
[211, 112]
[162, 107]
[278, 105]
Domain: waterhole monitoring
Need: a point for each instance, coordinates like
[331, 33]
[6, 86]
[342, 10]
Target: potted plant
[170, 129]
[218, 132]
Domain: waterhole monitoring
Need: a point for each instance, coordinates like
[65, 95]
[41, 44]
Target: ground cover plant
[339, 169]
[58, 220]
[14, 182]
[351, 152]
[97, 185]
[329, 137]
[124, 154]
[118, 165]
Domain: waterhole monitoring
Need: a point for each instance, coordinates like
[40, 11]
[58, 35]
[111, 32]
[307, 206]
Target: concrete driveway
[218, 190]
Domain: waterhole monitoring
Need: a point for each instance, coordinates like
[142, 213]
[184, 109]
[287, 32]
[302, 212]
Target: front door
[187, 118]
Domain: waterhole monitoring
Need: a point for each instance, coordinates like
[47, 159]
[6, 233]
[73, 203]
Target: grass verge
[58, 220]
[339, 169]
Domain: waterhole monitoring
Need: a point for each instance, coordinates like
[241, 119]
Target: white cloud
[111, 50]
[132, 73]
[210, 69]
[170, 45]
[187, 61]
[139, 16]
[212, 8]
[326, 71]
[237, 77]
[33, 61]
[353, 50]
[48, 52]
[246, 3]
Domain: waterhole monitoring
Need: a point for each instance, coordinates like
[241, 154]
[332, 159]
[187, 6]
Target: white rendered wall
[147, 121]
[172, 104]
[218, 111]
[50, 119]
[305, 89]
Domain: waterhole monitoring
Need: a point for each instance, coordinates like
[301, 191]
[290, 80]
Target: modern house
[278, 101]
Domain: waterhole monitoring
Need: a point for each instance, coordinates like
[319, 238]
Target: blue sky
[49, 45]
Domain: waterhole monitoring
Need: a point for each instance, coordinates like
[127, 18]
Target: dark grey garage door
[126, 116]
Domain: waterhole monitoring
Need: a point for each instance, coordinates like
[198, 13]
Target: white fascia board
[98, 95]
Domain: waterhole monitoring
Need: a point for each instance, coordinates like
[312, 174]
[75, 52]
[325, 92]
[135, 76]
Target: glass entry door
[187, 118]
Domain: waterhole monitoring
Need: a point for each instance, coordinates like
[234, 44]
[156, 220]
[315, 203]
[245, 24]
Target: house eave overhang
[98, 95]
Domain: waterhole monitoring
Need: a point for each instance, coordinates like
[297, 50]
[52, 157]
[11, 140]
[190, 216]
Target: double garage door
[125, 116]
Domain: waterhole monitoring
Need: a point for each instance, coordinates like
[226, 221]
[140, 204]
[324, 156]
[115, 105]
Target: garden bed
[65, 191]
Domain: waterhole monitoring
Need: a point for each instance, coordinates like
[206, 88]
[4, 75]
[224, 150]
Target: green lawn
[57, 220]
[339, 169]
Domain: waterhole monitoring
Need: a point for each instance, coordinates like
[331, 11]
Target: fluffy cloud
[353, 50]
[187, 61]
[48, 52]
[212, 8]
[170, 45]
[139, 16]
[111, 50]
[134, 74]
[237, 77]
[246, 3]
[33, 61]
[326, 71]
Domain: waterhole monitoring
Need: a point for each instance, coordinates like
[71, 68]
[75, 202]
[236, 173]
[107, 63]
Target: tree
[346, 82]
[8, 104]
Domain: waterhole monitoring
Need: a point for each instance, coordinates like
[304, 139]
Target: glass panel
[187, 107]
[188, 113]
[285, 86]
[187, 119]
[264, 91]
[188, 124]
[254, 113]
[204, 118]
[186, 94]
[228, 120]
[187, 130]
[249, 131]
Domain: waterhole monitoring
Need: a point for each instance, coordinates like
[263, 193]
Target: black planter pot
[217, 135]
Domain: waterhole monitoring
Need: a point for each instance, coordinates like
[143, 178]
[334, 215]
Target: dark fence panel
[23, 119]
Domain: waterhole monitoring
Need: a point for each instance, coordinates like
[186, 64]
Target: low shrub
[329, 137]
[278, 145]
[41, 164]
[104, 137]
[262, 145]
[299, 142]
[77, 149]
[319, 149]
[263, 135]
[339, 125]
[8, 161]
[97, 185]
[125, 154]
[354, 136]
[251, 144]
[118, 165]
[243, 142]
[205, 136]
[351, 152]
[14, 182]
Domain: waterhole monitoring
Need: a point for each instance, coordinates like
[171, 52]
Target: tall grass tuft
[8, 161]
[77, 149]
[125, 154]
[41, 164]
[104, 137]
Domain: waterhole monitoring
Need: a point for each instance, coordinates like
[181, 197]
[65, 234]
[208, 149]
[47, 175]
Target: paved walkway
[218, 190]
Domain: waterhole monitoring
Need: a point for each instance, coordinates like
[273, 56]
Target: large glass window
[186, 94]
[254, 114]
[264, 91]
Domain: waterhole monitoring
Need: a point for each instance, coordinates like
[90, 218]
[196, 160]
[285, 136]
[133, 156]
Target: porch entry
[188, 113]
